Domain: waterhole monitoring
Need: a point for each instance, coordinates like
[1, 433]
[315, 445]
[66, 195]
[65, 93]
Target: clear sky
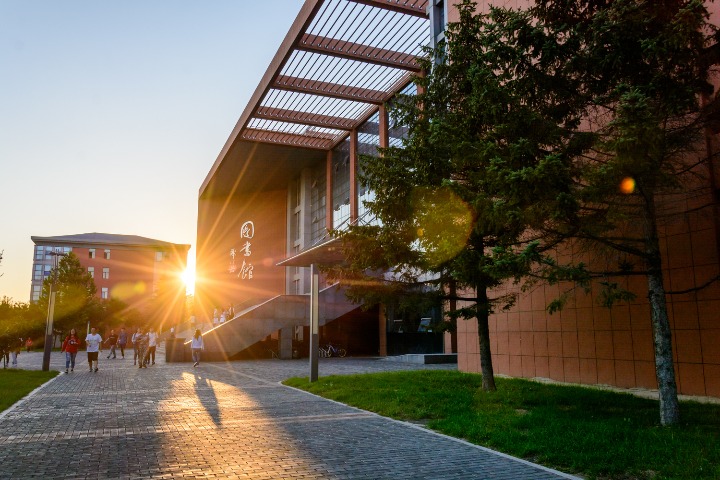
[113, 112]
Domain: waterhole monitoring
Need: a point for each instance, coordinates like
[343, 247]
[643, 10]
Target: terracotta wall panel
[712, 383]
[515, 368]
[588, 371]
[691, 378]
[710, 345]
[571, 369]
[645, 374]
[622, 345]
[624, 373]
[606, 371]
[687, 342]
[556, 368]
[542, 367]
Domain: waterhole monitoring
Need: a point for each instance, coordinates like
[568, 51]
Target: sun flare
[188, 277]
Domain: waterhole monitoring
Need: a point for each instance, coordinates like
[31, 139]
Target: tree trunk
[483, 313]
[662, 335]
[662, 340]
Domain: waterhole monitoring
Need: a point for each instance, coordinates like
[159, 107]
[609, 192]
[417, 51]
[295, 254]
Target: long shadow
[208, 399]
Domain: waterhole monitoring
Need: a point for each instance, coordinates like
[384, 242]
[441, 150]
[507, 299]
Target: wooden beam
[416, 8]
[327, 89]
[358, 51]
[318, 142]
[307, 118]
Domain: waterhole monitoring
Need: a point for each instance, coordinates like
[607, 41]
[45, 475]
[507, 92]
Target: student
[112, 341]
[135, 346]
[70, 347]
[197, 345]
[152, 345]
[122, 341]
[16, 351]
[141, 347]
[93, 342]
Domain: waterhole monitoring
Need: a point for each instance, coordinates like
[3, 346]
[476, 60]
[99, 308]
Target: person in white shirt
[93, 342]
[196, 344]
[152, 345]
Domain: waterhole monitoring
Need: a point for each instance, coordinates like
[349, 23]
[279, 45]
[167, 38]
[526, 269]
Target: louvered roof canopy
[339, 61]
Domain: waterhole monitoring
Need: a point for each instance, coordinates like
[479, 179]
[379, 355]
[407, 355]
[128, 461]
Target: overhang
[337, 63]
[327, 253]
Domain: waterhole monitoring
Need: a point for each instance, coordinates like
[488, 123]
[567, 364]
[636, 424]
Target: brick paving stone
[225, 420]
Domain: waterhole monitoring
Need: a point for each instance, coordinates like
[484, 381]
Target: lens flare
[627, 185]
[443, 223]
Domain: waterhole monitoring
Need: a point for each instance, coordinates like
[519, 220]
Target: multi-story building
[142, 272]
[287, 173]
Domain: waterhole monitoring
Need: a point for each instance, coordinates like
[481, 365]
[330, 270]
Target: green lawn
[15, 384]
[594, 433]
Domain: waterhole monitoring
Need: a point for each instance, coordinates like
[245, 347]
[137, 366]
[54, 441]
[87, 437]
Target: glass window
[158, 256]
[104, 293]
[341, 184]
[39, 252]
[38, 271]
[318, 197]
[368, 143]
[91, 253]
[106, 272]
[107, 254]
[91, 271]
[36, 292]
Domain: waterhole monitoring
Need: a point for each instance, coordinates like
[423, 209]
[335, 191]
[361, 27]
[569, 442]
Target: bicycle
[331, 350]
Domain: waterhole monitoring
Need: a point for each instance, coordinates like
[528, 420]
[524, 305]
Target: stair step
[424, 358]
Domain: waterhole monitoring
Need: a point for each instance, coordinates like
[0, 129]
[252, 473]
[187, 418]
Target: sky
[113, 112]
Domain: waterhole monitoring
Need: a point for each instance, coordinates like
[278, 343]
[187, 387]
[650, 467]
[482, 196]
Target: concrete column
[329, 191]
[353, 177]
[286, 338]
[382, 331]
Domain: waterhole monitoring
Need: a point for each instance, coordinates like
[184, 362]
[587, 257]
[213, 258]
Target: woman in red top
[70, 347]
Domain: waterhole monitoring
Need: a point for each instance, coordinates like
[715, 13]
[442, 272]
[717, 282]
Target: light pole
[51, 311]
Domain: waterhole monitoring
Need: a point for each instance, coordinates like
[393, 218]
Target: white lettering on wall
[245, 271]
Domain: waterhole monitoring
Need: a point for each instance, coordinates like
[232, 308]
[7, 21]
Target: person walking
[112, 341]
[122, 341]
[135, 346]
[15, 351]
[141, 347]
[94, 344]
[70, 347]
[197, 345]
[152, 345]
[28, 344]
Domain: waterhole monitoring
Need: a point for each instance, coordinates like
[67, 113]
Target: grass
[590, 432]
[15, 384]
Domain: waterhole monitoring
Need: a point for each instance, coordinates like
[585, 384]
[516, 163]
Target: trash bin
[174, 350]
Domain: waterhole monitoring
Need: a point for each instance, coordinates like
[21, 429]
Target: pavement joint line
[235, 372]
[458, 440]
[171, 428]
[27, 397]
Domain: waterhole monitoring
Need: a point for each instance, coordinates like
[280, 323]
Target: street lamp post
[51, 312]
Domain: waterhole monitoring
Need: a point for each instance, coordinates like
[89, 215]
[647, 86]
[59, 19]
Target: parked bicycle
[330, 350]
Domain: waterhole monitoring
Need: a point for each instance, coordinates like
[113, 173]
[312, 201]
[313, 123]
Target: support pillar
[314, 322]
[286, 341]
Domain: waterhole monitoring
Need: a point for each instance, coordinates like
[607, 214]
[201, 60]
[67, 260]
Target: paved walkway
[225, 420]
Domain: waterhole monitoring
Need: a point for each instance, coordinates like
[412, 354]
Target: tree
[484, 163]
[75, 289]
[18, 320]
[641, 66]
[574, 121]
